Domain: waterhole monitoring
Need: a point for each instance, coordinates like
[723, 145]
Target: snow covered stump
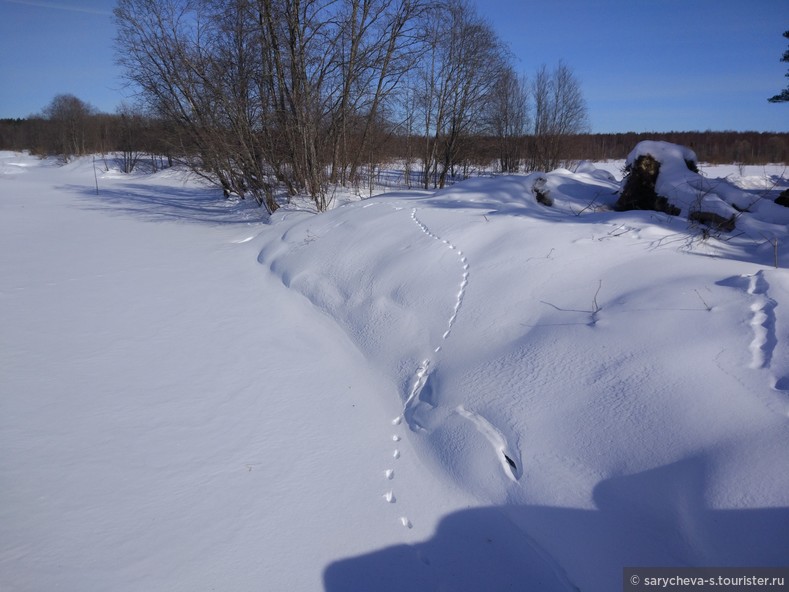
[638, 192]
[665, 177]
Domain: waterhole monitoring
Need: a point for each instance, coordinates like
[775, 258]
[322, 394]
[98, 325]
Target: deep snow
[459, 389]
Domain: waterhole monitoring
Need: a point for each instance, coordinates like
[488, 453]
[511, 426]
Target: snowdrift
[464, 389]
[616, 384]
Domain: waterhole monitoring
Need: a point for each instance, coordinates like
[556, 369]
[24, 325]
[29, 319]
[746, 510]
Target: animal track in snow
[765, 335]
[418, 394]
[508, 455]
[463, 261]
[422, 373]
[762, 322]
[767, 351]
[420, 379]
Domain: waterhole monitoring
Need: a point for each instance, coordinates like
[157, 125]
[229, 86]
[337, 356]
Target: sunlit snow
[459, 389]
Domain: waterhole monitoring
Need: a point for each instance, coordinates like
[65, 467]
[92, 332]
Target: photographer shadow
[654, 518]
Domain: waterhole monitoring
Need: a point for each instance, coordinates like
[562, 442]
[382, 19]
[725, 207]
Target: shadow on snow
[163, 202]
[655, 518]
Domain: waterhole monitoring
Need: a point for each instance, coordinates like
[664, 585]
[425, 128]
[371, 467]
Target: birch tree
[559, 112]
[464, 60]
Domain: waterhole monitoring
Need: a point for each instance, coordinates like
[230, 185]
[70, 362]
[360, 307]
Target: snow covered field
[453, 390]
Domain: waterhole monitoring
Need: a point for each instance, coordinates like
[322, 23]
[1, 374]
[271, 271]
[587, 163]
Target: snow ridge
[510, 460]
[766, 347]
[762, 322]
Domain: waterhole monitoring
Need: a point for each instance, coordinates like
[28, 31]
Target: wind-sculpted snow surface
[601, 383]
[461, 390]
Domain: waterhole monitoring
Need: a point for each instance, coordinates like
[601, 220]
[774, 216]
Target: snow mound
[588, 168]
[463, 389]
[668, 154]
[567, 364]
[678, 187]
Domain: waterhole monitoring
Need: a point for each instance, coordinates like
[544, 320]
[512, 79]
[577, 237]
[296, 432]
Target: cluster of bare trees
[69, 116]
[299, 94]
[261, 96]
[266, 93]
[462, 62]
[266, 96]
[509, 119]
[559, 111]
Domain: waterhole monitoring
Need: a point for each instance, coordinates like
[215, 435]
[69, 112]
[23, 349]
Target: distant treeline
[713, 147]
[133, 134]
[77, 130]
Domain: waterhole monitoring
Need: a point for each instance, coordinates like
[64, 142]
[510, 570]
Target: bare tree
[162, 48]
[509, 118]
[559, 112]
[380, 43]
[335, 66]
[463, 63]
[70, 117]
[129, 140]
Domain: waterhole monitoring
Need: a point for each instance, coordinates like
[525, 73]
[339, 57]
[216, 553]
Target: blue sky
[658, 65]
[51, 47]
[644, 65]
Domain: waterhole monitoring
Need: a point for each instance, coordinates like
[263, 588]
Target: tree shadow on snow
[579, 202]
[512, 196]
[164, 202]
[654, 518]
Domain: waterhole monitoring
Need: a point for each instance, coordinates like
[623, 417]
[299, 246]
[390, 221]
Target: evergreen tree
[783, 96]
